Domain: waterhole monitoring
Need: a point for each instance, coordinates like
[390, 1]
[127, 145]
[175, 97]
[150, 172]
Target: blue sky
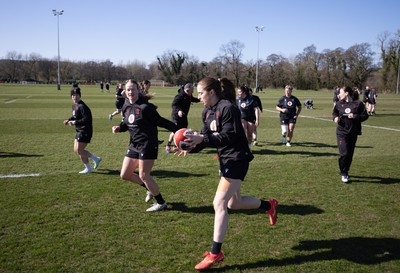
[128, 31]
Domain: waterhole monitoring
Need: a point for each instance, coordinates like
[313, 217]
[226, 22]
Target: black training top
[288, 103]
[247, 108]
[142, 119]
[349, 126]
[182, 102]
[222, 129]
[82, 116]
[119, 97]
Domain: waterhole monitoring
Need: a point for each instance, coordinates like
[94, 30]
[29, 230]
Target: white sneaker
[97, 162]
[288, 144]
[149, 196]
[157, 207]
[255, 143]
[345, 178]
[110, 117]
[86, 170]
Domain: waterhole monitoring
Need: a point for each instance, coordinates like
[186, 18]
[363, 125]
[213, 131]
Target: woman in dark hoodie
[348, 113]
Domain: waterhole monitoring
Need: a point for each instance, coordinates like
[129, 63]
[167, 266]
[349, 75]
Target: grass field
[60, 221]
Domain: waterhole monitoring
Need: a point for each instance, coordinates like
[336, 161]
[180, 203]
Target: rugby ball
[179, 138]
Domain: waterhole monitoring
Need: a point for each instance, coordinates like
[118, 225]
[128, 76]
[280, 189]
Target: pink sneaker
[209, 260]
[273, 215]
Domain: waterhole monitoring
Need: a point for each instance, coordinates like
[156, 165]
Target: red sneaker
[209, 260]
[273, 215]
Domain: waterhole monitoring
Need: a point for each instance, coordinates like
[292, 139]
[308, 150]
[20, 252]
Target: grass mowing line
[19, 175]
[10, 101]
[330, 120]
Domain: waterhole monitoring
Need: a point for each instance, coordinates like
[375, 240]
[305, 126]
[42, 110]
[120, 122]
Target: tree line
[309, 70]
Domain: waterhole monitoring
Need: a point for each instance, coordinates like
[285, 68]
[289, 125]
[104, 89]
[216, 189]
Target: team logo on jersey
[213, 125]
[131, 118]
[290, 103]
[243, 105]
[347, 110]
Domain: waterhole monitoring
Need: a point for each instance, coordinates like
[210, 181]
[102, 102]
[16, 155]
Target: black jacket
[82, 116]
[222, 129]
[182, 103]
[349, 126]
[142, 120]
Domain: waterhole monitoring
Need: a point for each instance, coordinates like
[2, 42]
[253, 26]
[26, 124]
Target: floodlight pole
[258, 29]
[58, 13]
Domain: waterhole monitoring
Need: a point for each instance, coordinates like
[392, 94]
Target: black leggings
[346, 145]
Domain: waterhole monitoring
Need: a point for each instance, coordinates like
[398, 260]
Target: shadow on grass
[360, 250]
[284, 209]
[156, 173]
[384, 115]
[291, 151]
[374, 179]
[9, 154]
[303, 144]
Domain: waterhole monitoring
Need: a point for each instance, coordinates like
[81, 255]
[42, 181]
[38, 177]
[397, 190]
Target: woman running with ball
[222, 129]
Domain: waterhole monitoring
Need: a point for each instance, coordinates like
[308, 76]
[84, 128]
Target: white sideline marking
[330, 120]
[19, 175]
[10, 101]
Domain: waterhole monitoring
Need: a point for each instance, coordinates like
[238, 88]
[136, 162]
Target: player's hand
[195, 139]
[181, 153]
[115, 129]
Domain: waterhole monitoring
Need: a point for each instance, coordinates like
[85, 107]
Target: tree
[359, 63]
[137, 70]
[307, 69]
[170, 64]
[390, 56]
[13, 66]
[280, 71]
[231, 57]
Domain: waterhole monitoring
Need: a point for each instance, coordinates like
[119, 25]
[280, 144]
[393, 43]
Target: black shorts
[234, 169]
[287, 120]
[251, 120]
[142, 155]
[83, 137]
[119, 104]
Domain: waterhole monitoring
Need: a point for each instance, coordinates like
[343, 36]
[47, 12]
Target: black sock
[216, 247]
[265, 205]
[169, 143]
[160, 200]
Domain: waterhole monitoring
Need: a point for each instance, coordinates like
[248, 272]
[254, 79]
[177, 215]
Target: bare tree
[13, 66]
[279, 71]
[231, 57]
[137, 70]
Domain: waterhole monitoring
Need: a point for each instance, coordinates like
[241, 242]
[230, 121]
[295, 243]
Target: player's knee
[124, 175]
[233, 204]
[144, 176]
